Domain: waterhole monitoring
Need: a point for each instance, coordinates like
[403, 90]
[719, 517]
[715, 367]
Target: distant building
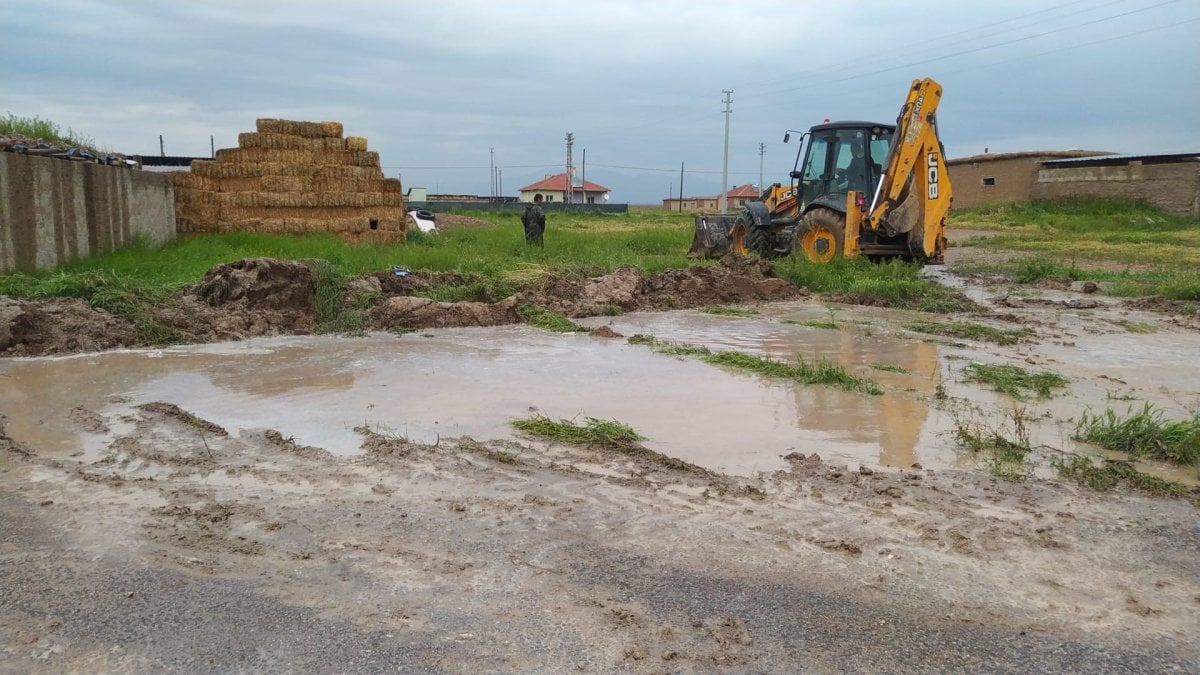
[165, 164]
[1170, 182]
[554, 189]
[735, 198]
[1001, 176]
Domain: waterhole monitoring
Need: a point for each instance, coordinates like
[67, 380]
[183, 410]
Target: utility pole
[161, 148]
[212, 148]
[762, 150]
[681, 187]
[500, 183]
[492, 172]
[570, 143]
[723, 202]
[583, 178]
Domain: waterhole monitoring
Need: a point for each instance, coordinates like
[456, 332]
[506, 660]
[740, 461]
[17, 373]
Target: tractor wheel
[760, 241]
[739, 236]
[820, 236]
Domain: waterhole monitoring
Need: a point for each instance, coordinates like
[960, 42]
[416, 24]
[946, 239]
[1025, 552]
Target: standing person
[534, 220]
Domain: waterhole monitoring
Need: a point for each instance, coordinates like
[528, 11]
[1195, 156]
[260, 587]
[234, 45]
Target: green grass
[1014, 381]
[890, 284]
[971, 331]
[1112, 474]
[605, 433]
[1144, 433]
[1004, 449]
[540, 317]
[1092, 239]
[730, 311]
[806, 372]
[36, 127]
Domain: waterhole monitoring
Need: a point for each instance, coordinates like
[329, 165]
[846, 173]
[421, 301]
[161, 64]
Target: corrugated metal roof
[1111, 160]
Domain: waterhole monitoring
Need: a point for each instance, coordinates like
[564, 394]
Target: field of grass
[1137, 248]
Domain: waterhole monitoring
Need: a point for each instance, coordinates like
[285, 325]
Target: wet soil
[331, 503]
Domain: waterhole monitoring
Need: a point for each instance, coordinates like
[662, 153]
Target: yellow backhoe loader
[857, 188]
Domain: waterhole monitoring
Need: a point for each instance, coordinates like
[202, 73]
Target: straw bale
[306, 129]
[390, 185]
[356, 143]
[269, 199]
[276, 155]
[287, 184]
[240, 184]
[288, 141]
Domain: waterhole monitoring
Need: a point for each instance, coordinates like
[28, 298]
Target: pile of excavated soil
[258, 297]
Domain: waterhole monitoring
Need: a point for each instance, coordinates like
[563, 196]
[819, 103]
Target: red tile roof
[746, 190]
[558, 183]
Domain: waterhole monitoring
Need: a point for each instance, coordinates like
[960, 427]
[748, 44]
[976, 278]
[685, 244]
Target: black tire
[820, 236]
[760, 241]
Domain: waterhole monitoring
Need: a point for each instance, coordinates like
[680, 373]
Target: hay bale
[356, 143]
[287, 184]
[295, 128]
[267, 155]
[288, 141]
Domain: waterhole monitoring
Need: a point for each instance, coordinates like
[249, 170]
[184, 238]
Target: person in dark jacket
[534, 220]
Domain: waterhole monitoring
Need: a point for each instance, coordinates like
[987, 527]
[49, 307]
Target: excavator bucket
[711, 239]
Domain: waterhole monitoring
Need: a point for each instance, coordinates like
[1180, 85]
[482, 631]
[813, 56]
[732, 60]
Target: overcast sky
[435, 86]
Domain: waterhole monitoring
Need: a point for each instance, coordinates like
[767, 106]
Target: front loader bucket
[711, 239]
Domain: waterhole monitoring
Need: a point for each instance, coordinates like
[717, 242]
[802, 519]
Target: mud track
[182, 550]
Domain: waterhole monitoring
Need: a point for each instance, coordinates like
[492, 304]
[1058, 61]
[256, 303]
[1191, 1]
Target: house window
[989, 181]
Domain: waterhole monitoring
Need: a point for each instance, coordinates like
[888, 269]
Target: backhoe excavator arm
[917, 207]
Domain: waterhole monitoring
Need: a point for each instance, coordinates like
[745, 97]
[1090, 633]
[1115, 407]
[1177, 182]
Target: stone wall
[1173, 187]
[53, 211]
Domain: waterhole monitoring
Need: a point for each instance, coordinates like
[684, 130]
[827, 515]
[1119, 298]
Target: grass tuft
[1112, 474]
[971, 331]
[1003, 449]
[540, 317]
[1014, 381]
[730, 311]
[1145, 433]
[807, 372]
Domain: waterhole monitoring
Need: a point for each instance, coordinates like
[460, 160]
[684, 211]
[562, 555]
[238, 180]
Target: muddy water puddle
[473, 382]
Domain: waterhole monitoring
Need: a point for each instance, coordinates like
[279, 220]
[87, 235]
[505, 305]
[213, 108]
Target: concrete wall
[53, 211]
[1173, 187]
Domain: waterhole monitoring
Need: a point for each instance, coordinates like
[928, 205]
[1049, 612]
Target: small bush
[1145, 433]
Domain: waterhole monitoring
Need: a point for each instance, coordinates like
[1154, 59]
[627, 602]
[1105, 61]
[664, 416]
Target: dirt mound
[262, 296]
[61, 325]
[449, 221]
[414, 312]
[261, 283]
[626, 289]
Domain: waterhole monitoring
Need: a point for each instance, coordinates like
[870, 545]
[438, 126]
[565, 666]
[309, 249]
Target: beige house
[554, 189]
[736, 198]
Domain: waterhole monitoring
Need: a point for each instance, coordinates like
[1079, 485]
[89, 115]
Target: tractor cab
[839, 157]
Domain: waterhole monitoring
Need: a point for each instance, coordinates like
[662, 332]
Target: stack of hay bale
[292, 177]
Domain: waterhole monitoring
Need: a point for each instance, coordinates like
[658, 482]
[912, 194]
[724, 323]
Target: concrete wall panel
[53, 211]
